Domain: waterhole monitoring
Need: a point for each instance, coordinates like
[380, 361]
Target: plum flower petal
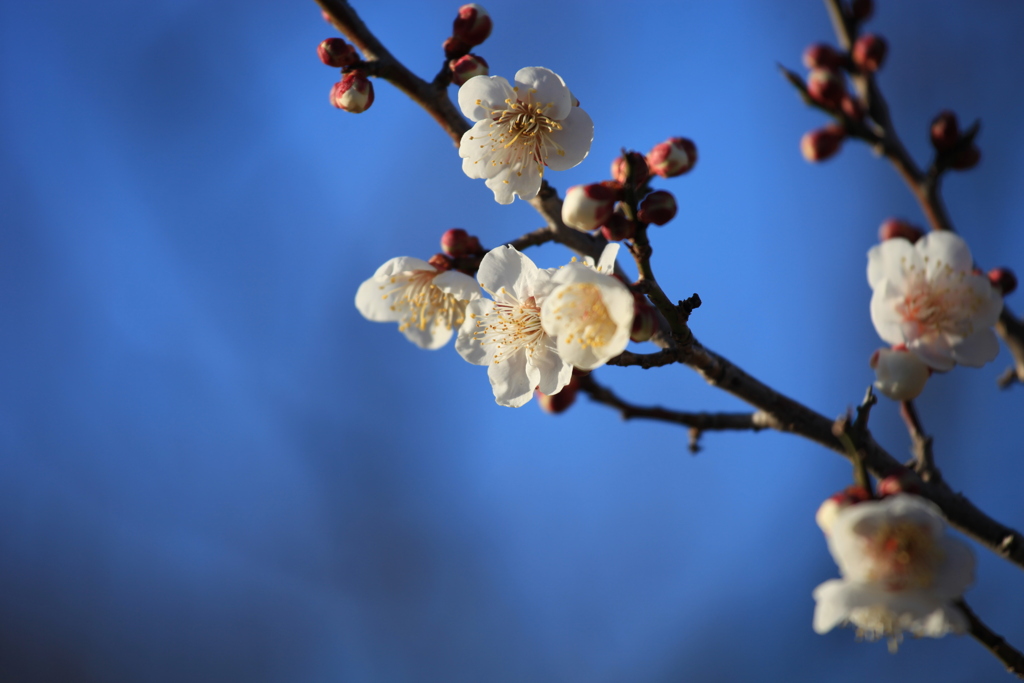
[590, 314]
[927, 297]
[519, 130]
[505, 332]
[900, 571]
[426, 303]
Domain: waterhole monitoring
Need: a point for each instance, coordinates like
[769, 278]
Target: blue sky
[214, 469]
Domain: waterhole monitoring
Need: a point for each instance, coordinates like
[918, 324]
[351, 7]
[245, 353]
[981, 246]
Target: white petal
[568, 147]
[831, 605]
[888, 322]
[430, 337]
[606, 264]
[458, 284]
[510, 181]
[468, 346]
[543, 86]
[942, 246]
[506, 268]
[957, 572]
[546, 370]
[373, 302]
[890, 259]
[509, 382]
[482, 94]
[976, 350]
[933, 350]
[991, 301]
[475, 150]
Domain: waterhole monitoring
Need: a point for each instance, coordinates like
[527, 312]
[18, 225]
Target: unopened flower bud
[899, 374]
[945, 131]
[852, 108]
[828, 510]
[966, 159]
[441, 262]
[903, 482]
[454, 48]
[895, 227]
[869, 52]
[589, 206]
[672, 158]
[473, 25]
[819, 145]
[645, 323]
[336, 52]
[353, 93]
[822, 56]
[1003, 279]
[632, 166]
[560, 402]
[659, 207]
[618, 228]
[457, 243]
[466, 67]
[826, 87]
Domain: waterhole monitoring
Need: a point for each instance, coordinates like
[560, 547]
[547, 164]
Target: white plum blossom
[590, 312]
[427, 303]
[901, 572]
[927, 296]
[506, 334]
[520, 129]
[899, 374]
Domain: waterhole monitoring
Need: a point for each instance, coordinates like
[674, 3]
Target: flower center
[524, 120]
[584, 316]
[422, 303]
[510, 326]
[943, 305]
[905, 555]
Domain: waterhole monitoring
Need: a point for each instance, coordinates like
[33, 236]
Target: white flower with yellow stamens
[506, 334]
[428, 304]
[590, 312]
[901, 572]
[520, 129]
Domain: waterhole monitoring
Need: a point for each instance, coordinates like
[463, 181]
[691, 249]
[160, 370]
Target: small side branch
[924, 459]
[697, 422]
[1011, 658]
[533, 239]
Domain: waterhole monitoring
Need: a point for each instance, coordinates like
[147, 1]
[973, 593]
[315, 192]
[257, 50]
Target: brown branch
[1011, 658]
[646, 360]
[924, 459]
[533, 239]
[697, 422]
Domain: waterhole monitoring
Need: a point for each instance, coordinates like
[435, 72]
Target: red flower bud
[945, 131]
[353, 93]
[895, 227]
[862, 10]
[458, 243]
[441, 262]
[1003, 279]
[851, 107]
[618, 228]
[473, 25]
[966, 159]
[634, 165]
[466, 67]
[822, 56]
[819, 145]
[588, 206]
[560, 402]
[454, 48]
[336, 52]
[658, 207]
[869, 52]
[672, 158]
[826, 87]
[645, 323]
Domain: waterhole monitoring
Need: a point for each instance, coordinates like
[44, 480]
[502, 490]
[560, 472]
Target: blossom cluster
[534, 326]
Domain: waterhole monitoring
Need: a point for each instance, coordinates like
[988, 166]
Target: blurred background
[213, 469]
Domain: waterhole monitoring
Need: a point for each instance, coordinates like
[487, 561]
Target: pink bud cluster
[354, 92]
[471, 27]
[459, 251]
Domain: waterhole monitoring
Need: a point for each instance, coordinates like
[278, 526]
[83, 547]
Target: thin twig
[646, 360]
[533, 239]
[697, 422]
[1011, 658]
[921, 443]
